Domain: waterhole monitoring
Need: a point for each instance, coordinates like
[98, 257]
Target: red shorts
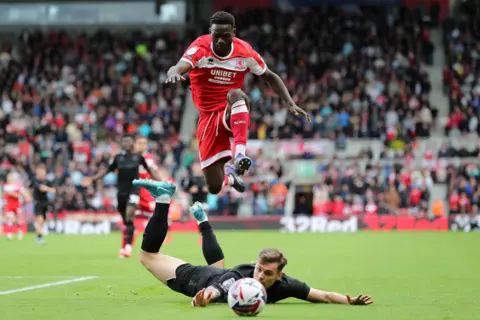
[147, 202]
[12, 211]
[213, 135]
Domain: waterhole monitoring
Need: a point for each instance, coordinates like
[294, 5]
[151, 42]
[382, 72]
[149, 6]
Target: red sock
[7, 228]
[239, 123]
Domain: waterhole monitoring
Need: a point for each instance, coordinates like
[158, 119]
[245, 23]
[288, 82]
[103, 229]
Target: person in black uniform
[127, 164]
[41, 187]
[206, 284]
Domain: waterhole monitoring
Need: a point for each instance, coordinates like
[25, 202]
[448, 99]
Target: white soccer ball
[247, 297]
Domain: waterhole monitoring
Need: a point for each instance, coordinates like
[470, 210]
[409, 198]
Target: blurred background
[392, 87]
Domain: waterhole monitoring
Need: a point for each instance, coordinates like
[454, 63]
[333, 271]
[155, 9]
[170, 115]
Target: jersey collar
[227, 56]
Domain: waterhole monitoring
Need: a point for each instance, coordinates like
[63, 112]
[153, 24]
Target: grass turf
[409, 275]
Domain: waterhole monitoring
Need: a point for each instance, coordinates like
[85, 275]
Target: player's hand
[43, 188]
[359, 300]
[202, 298]
[299, 112]
[175, 78]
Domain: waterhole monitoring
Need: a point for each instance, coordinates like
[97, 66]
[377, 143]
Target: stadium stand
[460, 77]
[365, 77]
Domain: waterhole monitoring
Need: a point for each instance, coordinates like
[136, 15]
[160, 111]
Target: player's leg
[9, 224]
[40, 217]
[238, 116]
[122, 201]
[163, 267]
[132, 205]
[212, 252]
[19, 224]
[215, 151]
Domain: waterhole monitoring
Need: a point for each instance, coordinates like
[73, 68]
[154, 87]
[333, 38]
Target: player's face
[222, 35]
[41, 173]
[11, 177]
[141, 145]
[127, 144]
[266, 273]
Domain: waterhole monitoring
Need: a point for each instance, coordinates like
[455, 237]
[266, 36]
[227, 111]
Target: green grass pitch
[409, 275]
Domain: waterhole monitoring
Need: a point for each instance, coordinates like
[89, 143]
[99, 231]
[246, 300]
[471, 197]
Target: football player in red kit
[146, 205]
[13, 192]
[217, 64]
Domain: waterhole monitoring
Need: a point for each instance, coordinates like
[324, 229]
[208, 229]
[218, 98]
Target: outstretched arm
[274, 81]
[319, 296]
[176, 72]
[205, 296]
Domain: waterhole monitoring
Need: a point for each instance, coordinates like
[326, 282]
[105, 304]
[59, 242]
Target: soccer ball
[247, 297]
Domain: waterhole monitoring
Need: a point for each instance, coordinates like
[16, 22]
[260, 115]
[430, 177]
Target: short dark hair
[271, 255]
[222, 17]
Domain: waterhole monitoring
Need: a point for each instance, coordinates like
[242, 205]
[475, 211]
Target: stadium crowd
[460, 77]
[464, 188]
[364, 76]
[77, 95]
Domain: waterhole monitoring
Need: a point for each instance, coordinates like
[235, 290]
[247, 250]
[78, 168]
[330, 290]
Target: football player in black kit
[41, 187]
[210, 283]
[127, 164]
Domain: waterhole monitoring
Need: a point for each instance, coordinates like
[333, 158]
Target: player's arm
[300, 290]
[274, 81]
[319, 296]
[189, 60]
[176, 72]
[205, 296]
[46, 188]
[102, 173]
[26, 195]
[258, 67]
[153, 173]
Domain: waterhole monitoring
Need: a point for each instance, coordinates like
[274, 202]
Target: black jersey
[286, 287]
[39, 195]
[128, 165]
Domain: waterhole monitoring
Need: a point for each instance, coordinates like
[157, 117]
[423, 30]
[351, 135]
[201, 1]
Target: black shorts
[41, 209]
[191, 279]
[127, 199]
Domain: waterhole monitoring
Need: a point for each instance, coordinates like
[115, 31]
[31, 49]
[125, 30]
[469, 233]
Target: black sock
[157, 228]
[130, 231]
[39, 236]
[212, 252]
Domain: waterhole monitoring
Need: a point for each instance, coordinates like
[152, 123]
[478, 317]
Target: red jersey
[454, 202]
[337, 208]
[147, 203]
[415, 196]
[12, 193]
[213, 76]
[357, 208]
[371, 209]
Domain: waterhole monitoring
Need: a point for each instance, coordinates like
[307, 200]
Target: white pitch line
[46, 285]
[38, 277]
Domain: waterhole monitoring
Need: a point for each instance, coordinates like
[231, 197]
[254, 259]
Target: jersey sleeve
[194, 53]
[151, 163]
[255, 63]
[293, 288]
[112, 166]
[223, 285]
[144, 163]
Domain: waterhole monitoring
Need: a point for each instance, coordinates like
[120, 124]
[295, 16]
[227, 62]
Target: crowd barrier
[101, 223]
